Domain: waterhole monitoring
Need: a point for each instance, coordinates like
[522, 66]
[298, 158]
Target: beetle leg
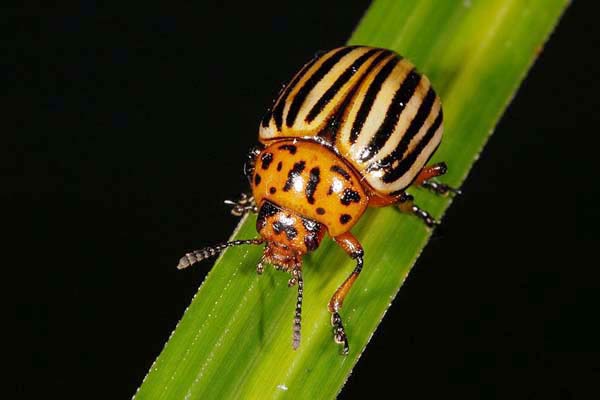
[407, 205]
[424, 179]
[243, 205]
[353, 248]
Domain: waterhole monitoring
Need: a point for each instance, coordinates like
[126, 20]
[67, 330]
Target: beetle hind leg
[425, 180]
[407, 205]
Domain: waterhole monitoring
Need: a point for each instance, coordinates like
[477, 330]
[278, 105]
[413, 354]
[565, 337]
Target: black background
[131, 127]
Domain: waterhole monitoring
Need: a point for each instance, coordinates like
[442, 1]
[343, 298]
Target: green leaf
[234, 341]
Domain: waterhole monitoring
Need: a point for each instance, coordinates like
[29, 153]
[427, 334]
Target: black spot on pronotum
[266, 160]
[272, 190]
[279, 165]
[256, 179]
[293, 174]
[345, 218]
[339, 170]
[311, 186]
[289, 147]
[349, 196]
[320, 210]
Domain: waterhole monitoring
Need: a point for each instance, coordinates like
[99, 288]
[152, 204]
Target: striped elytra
[378, 112]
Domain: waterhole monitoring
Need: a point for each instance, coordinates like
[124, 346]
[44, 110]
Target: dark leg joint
[358, 256]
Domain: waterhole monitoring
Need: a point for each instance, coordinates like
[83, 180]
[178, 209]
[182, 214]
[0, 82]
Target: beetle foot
[260, 268]
[339, 334]
[440, 188]
[243, 205]
[424, 216]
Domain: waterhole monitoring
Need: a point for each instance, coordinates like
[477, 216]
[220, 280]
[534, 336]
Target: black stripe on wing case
[278, 109]
[338, 84]
[392, 115]
[369, 99]
[414, 128]
[408, 161]
[311, 83]
[331, 130]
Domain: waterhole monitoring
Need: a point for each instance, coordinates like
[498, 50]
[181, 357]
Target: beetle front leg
[243, 205]
[353, 248]
[424, 179]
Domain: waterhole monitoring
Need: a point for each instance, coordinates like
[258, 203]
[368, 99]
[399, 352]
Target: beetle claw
[339, 334]
[243, 205]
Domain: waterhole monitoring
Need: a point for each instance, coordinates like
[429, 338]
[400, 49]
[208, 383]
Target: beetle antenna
[198, 255]
[298, 313]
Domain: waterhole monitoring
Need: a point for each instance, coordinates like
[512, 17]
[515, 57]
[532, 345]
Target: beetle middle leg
[242, 205]
[424, 179]
[353, 248]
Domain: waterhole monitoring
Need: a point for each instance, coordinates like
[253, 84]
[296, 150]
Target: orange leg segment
[424, 179]
[429, 172]
[353, 248]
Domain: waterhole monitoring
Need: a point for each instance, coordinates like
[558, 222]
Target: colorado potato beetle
[353, 128]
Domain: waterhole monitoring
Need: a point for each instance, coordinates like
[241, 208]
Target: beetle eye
[251, 162]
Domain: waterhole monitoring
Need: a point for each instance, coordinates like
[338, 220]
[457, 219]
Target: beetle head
[288, 235]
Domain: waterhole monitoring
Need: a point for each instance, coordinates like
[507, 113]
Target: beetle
[354, 128]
